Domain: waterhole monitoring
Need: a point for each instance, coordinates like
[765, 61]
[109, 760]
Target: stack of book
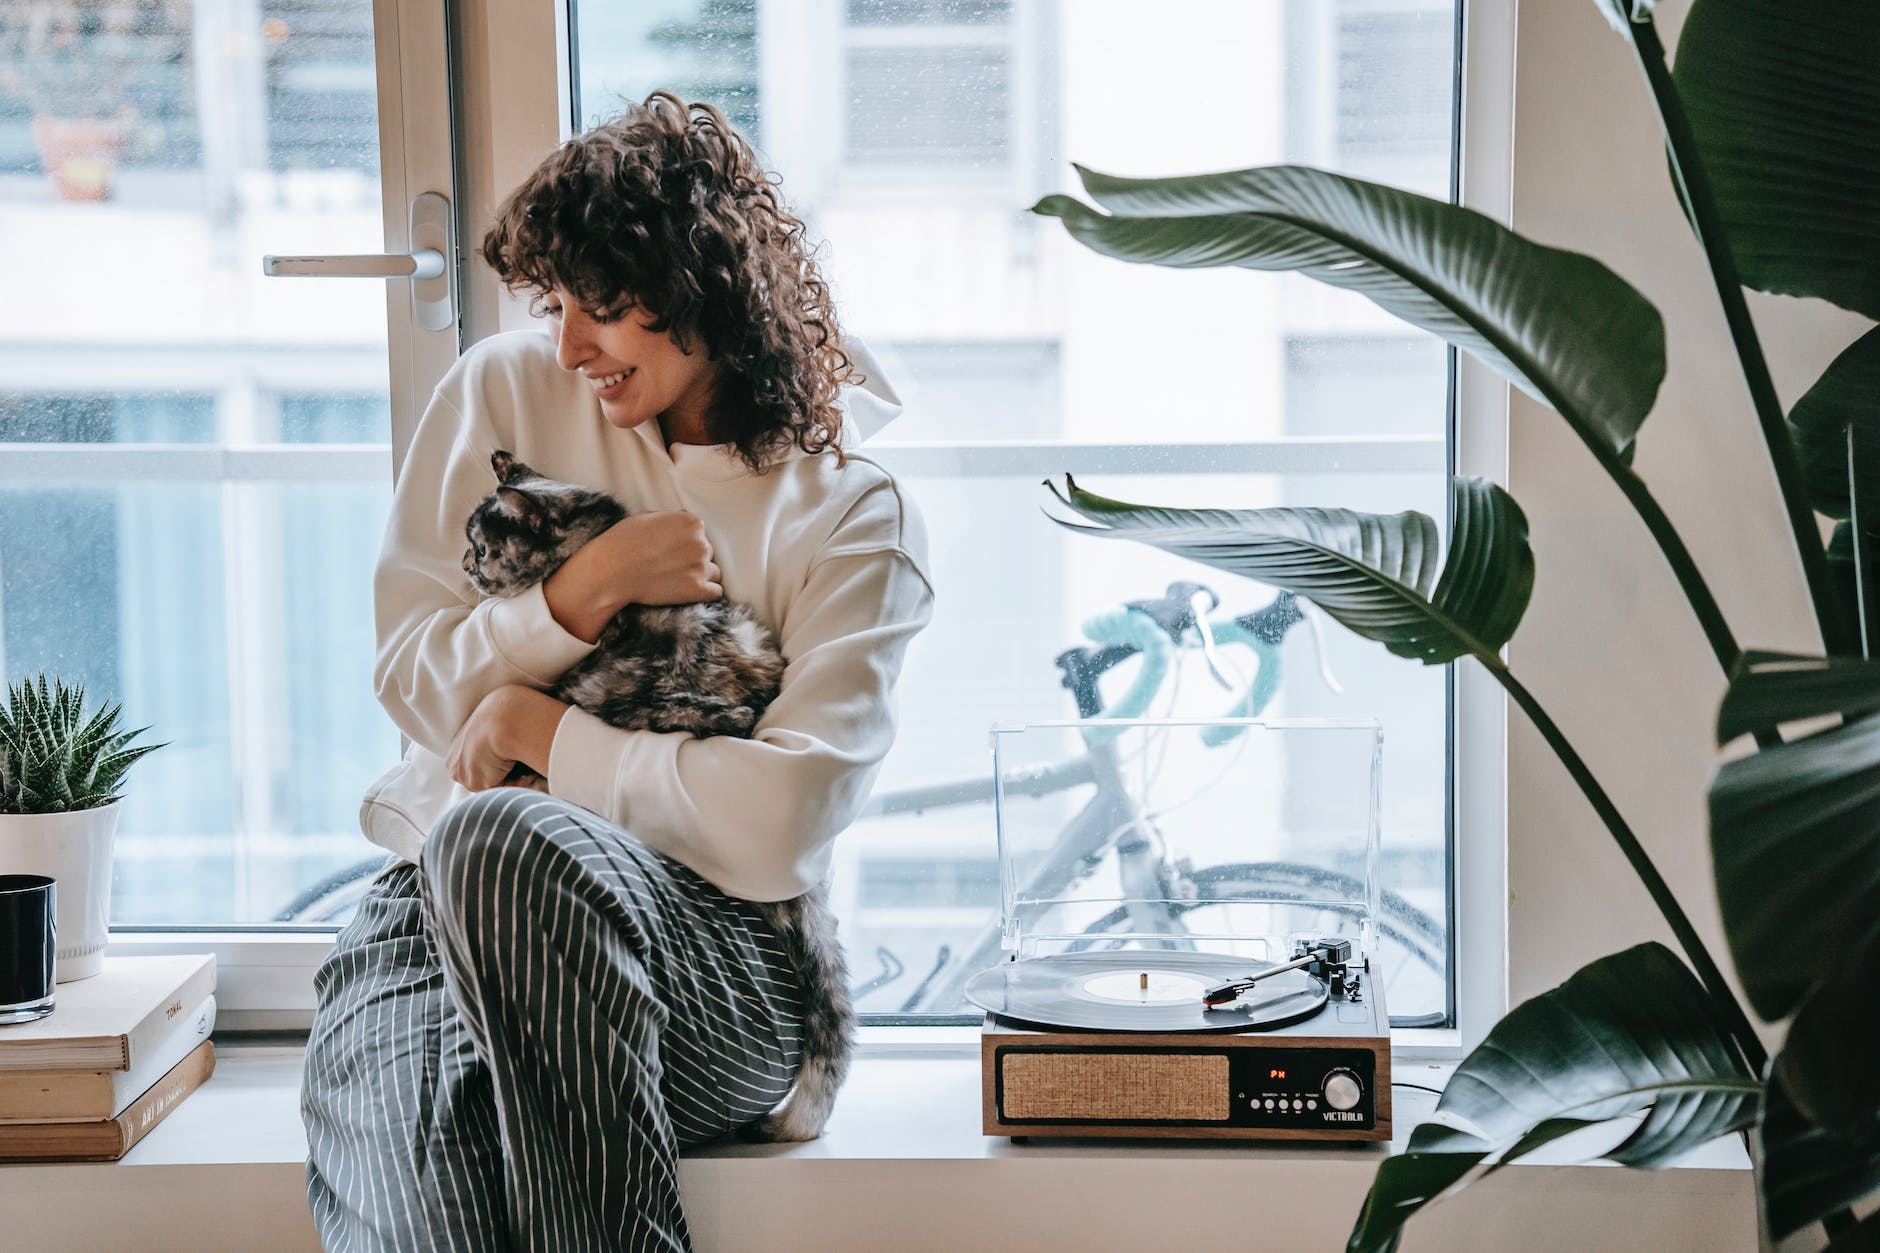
[119, 1051]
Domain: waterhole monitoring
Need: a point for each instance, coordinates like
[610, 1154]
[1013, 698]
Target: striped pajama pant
[514, 1038]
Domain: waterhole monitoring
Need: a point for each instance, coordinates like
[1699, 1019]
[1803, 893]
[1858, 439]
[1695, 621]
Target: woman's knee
[459, 860]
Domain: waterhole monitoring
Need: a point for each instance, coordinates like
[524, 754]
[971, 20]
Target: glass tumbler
[27, 929]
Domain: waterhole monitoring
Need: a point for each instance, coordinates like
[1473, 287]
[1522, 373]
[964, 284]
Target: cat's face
[521, 533]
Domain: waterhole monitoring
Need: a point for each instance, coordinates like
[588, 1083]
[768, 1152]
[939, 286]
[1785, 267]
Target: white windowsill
[903, 1166]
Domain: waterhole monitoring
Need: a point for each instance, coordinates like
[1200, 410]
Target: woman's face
[638, 375]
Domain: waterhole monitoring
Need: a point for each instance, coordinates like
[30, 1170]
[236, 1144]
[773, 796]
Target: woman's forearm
[647, 559]
[528, 727]
[587, 591]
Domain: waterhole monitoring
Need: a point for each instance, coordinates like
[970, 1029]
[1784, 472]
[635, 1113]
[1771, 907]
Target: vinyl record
[1106, 992]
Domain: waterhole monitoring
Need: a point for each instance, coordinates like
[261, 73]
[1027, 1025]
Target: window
[1021, 355]
[194, 459]
[194, 473]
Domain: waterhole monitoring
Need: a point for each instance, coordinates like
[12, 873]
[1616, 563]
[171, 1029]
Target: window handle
[424, 263]
[433, 284]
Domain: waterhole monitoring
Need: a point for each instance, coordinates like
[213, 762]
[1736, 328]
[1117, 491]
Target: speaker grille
[1113, 1086]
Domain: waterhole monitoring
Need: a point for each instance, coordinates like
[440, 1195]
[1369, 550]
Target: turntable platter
[1142, 991]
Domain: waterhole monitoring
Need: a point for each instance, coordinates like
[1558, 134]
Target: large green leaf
[1622, 12]
[1382, 575]
[1795, 834]
[1836, 429]
[1826, 1062]
[1862, 1237]
[1769, 689]
[1797, 853]
[1785, 101]
[1808, 1172]
[1590, 1050]
[1559, 325]
[1854, 597]
[1846, 396]
[1403, 1185]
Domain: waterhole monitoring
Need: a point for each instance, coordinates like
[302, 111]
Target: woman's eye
[479, 552]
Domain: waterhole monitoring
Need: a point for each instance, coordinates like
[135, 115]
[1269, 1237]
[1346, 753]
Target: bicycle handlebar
[1152, 629]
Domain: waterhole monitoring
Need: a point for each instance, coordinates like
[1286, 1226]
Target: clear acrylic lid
[1233, 835]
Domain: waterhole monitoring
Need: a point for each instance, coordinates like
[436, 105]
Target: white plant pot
[75, 849]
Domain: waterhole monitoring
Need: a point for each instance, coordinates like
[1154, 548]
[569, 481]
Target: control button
[1342, 1091]
[1269, 1102]
[1312, 1104]
[1298, 1104]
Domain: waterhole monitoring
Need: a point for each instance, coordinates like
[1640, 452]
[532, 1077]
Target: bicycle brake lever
[1199, 612]
[1312, 616]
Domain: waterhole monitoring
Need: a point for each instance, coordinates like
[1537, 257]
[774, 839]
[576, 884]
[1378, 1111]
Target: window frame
[504, 52]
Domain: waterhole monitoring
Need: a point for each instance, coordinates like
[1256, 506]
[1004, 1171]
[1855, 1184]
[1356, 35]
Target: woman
[548, 992]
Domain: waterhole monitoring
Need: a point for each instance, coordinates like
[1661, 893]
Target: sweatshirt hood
[871, 402]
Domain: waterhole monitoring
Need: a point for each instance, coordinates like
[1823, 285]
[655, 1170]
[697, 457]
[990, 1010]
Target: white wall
[1608, 645]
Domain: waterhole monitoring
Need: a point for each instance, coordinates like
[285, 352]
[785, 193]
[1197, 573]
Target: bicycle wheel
[332, 898]
[1414, 945]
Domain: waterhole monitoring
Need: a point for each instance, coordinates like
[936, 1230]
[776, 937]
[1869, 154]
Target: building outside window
[200, 471]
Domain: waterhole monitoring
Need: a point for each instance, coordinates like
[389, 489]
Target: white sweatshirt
[833, 559]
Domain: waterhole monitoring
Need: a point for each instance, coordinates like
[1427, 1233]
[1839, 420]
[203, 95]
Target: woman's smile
[610, 386]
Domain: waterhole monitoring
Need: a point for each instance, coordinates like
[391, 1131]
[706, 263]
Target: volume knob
[1342, 1091]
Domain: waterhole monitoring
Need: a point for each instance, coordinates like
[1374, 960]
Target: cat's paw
[785, 1126]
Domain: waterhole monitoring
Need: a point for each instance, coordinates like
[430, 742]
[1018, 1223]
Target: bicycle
[1111, 823]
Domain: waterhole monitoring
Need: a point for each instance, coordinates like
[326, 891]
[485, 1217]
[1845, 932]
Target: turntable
[1188, 948]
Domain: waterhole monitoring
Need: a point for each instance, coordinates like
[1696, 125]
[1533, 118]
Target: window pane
[912, 136]
[929, 12]
[77, 76]
[225, 600]
[928, 104]
[265, 699]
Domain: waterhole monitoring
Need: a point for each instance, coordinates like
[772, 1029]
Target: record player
[1189, 939]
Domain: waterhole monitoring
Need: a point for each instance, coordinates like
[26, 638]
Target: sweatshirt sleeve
[442, 647]
[754, 816]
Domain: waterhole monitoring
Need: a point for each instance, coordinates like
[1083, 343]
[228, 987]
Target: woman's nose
[571, 341]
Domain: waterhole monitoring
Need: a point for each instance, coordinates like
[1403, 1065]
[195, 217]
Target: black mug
[28, 914]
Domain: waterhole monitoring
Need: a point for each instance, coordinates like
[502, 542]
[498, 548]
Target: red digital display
[1275, 1074]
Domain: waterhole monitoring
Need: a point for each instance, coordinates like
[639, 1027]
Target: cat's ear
[517, 505]
[508, 468]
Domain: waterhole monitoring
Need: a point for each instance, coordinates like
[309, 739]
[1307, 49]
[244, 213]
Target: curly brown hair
[667, 210]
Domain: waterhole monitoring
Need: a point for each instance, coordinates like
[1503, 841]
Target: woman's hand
[668, 556]
[645, 559]
[512, 726]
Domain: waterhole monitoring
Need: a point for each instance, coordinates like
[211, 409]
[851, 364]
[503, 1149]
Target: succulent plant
[54, 759]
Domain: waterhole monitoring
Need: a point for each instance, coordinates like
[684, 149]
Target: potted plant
[1767, 118]
[60, 774]
[85, 67]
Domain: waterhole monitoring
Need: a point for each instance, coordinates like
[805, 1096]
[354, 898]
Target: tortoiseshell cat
[711, 669]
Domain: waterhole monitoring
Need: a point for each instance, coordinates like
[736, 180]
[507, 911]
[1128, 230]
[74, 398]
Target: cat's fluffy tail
[808, 927]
